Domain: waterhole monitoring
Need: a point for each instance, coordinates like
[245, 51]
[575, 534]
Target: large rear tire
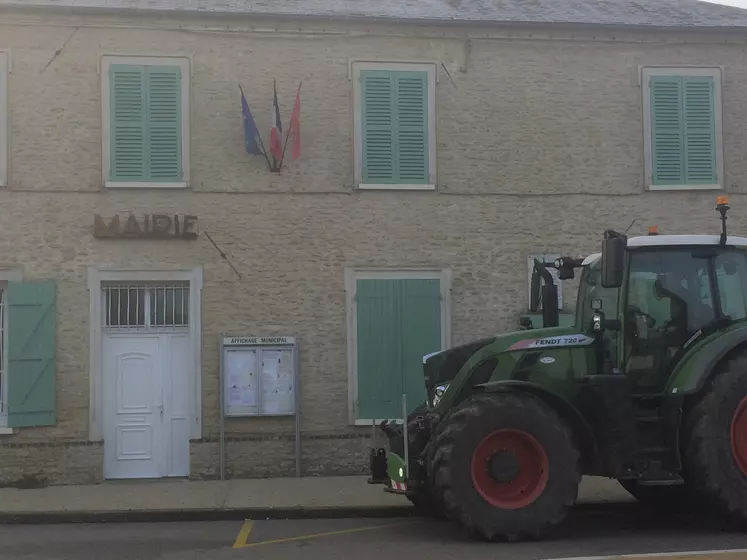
[505, 466]
[715, 454]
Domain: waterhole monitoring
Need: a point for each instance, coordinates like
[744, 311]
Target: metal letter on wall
[145, 226]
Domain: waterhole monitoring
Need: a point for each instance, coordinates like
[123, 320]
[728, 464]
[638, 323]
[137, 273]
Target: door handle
[160, 409]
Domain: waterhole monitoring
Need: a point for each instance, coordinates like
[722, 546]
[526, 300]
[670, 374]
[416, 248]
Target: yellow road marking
[318, 535]
[243, 535]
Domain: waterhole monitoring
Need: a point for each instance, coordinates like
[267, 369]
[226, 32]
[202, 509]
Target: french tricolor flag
[276, 128]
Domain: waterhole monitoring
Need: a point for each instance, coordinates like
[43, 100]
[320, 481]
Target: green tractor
[649, 388]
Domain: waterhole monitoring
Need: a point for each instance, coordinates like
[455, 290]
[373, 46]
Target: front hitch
[377, 460]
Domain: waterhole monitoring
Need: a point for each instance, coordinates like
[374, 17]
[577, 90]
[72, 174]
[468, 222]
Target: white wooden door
[147, 405]
[178, 402]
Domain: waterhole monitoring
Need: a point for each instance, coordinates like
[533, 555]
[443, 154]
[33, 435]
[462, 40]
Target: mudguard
[692, 373]
[567, 411]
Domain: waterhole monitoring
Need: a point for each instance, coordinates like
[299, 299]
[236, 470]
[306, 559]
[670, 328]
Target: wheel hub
[510, 469]
[503, 466]
[739, 436]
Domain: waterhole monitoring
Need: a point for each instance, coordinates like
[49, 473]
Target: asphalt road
[616, 530]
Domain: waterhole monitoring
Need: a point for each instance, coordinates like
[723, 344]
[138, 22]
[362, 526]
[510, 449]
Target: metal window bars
[128, 306]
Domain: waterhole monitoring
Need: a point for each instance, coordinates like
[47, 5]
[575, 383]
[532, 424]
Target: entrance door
[148, 382]
[133, 401]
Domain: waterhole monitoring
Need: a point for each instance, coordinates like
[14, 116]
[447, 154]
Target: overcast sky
[739, 3]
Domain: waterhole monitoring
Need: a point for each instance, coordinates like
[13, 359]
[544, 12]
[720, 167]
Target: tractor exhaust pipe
[547, 294]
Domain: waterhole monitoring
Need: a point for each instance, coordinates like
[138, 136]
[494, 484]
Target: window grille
[144, 306]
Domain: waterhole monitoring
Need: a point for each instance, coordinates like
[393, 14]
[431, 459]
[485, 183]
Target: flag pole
[287, 134]
[259, 136]
[276, 167]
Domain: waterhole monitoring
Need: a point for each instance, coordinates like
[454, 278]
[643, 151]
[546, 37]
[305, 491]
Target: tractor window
[669, 298]
[591, 288]
[731, 272]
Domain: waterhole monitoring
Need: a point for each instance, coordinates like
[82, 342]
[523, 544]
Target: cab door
[668, 299]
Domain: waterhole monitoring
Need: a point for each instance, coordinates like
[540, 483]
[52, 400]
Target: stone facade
[539, 148]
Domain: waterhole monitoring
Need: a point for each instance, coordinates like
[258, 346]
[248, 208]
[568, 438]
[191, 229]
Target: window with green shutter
[31, 320]
[684, 139]
[145, 109]
[394, 127]
[398, 321]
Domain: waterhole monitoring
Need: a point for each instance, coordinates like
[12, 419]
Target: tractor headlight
[439, 392]
[401, 472]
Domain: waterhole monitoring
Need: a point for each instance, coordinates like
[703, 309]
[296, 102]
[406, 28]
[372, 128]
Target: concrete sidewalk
[348, 496]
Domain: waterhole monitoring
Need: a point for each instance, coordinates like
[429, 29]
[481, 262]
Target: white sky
[738, 3]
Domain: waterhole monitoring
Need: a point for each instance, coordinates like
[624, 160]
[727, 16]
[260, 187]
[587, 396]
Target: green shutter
[128, 123]
[412, 127]
[398, 322]
[146, 123]
[395, 127]
[379, 165]
[683, 130]
[31, 354]
[700, 137]
[164, 123]
[378, 336]
[421, 333]
[666, 130]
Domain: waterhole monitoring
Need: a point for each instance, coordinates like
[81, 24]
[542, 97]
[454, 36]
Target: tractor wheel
[715, 452]
[671, 499]
[505, 466]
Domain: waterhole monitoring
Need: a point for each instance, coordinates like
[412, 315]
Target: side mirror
[534, 291]
[613, 259]
[565, 273]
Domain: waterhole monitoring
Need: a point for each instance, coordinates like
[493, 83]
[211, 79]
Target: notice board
[259, 376]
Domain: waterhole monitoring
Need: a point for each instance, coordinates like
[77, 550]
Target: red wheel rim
[523, 469]
[739, 436]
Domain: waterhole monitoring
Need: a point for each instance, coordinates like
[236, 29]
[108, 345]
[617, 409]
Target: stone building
[443, 143]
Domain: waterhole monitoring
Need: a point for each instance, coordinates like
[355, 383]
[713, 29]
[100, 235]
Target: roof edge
[736, 29]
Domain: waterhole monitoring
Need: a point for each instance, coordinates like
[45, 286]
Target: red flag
[294, 131]
[276, 128]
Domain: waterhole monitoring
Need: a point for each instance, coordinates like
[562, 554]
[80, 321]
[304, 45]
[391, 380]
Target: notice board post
[259, 377]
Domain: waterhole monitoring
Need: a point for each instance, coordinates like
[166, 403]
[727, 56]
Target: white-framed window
[146, 118]
[682, 116]
[4, 72]
[394, 318]
[394, 125]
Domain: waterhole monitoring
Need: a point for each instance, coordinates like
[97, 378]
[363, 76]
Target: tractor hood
[442, 367]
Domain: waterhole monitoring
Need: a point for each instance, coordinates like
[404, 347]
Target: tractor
[649, 387]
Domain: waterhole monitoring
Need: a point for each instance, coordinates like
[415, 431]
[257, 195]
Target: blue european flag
[251, 134]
